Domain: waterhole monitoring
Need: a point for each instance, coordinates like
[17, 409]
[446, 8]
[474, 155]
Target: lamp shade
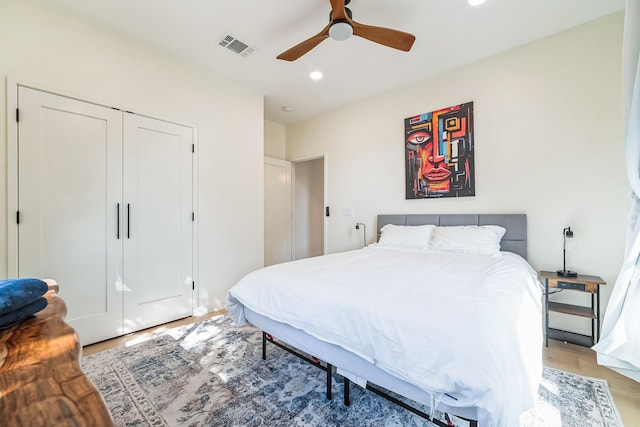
[566, 232]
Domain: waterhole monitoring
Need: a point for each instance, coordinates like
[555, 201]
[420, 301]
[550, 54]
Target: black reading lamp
[566, 232]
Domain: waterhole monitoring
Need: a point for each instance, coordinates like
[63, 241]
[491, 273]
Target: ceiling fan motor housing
[349, 14]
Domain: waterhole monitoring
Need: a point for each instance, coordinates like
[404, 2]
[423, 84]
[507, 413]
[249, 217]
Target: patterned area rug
[211, 374]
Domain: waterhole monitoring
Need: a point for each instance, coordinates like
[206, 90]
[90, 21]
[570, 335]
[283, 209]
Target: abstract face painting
[439, 153]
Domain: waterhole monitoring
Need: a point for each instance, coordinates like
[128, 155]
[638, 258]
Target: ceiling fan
[341, 27]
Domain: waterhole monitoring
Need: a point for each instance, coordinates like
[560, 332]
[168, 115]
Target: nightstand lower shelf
[570, 337]
[580, 283]
[574, 310]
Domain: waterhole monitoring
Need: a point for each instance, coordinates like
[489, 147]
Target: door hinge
[17, 217]
[193, 148]
[193, 216]
[17, 115]
[193, 286]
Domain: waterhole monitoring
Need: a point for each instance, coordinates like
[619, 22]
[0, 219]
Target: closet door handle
[118, 221]
[128, 223]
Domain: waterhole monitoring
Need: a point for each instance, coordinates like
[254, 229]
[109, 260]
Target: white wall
[275, 137]
[548, 134]
[56, 51]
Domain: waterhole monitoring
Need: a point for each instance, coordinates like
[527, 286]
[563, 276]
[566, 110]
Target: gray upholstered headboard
[514, 240]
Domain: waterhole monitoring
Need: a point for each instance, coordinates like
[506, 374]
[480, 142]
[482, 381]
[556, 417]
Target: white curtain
[619, 346]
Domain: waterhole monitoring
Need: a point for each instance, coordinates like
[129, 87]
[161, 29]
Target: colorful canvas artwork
[439, 159]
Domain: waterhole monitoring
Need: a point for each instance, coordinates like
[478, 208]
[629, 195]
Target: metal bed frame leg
[328, 369]
[329, 372]
[347, 390]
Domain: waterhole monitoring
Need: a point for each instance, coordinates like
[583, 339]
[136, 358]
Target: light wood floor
[145, 334]
[559, 355]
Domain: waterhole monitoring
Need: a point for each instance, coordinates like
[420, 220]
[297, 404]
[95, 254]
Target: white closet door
[69, 187]
[158, 222]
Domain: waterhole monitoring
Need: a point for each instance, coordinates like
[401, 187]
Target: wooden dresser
[41, 382]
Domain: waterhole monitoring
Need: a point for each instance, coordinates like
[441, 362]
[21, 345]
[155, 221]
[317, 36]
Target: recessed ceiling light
[316, 75]
[476, 2]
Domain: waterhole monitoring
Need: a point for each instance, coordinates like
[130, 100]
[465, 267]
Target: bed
[454, 324]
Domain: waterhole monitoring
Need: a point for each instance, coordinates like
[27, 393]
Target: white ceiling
[449, 33]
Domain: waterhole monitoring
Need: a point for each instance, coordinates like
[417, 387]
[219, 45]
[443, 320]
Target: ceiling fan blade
[338, 10]
[385, 36]
[301, 48]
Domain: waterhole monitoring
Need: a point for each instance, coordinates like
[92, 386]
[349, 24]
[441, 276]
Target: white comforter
[466, 325]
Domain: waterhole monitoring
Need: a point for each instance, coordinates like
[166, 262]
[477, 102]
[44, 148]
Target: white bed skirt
[351, 366]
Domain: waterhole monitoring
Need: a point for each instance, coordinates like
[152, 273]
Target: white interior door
[277, 211]
[158, 222]
[69, 188]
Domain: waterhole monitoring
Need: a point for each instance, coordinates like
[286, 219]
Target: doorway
[309, 226]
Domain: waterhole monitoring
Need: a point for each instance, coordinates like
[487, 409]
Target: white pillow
[468, 239]
[405, 236]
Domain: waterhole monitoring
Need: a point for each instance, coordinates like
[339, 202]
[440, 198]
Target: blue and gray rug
[211, 374]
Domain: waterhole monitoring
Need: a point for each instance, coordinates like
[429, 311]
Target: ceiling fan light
[340, 31]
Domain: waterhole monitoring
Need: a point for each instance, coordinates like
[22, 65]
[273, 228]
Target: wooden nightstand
[582, 283]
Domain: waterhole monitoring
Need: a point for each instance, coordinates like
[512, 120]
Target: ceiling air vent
[235, 45]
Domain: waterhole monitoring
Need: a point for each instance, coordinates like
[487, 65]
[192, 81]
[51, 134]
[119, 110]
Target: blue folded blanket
[9, 319]
[17, 293]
